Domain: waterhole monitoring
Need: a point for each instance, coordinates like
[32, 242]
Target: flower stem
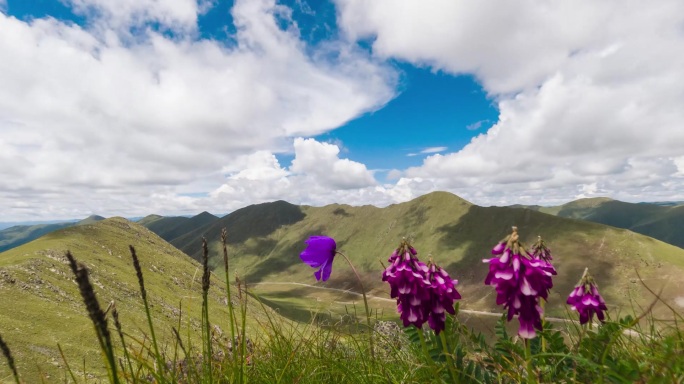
[423, 344]
[528, 359]
[365, 304]
[542, 303]
[450, 362]
[226, 267]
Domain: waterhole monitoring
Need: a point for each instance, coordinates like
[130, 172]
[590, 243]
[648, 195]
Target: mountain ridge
[655, 220]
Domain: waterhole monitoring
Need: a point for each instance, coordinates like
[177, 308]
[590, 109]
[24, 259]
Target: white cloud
[321, 161]
[589, 93]
[177, 15]
[434, 149]
[87, 111]
[429, 150]
[476, 125]
[316, 176]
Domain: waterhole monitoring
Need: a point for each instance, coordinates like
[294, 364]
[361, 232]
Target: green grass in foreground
[625, 350]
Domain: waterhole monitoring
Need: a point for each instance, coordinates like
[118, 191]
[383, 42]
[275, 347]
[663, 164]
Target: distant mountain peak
[441, 197]
[92, 219]
[205, 214]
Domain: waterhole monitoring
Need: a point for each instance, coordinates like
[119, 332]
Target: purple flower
[319, 253]
[424, 294]
[443, 293]
[407, 277]
[541, 252]
[520, 282]
[586, 300]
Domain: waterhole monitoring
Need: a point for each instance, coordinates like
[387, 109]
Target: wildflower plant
[520, 282]
[586, 300]
[541, 252]
[319, 253]
[423, 292]
[443, 293]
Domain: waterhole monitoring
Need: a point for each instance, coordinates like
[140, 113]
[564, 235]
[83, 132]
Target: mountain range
[21, 234]
[661, 221]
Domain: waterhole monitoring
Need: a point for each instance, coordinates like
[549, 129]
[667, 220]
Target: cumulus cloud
[589, 93]
[317, 175]
[88, 110]
[321, 161]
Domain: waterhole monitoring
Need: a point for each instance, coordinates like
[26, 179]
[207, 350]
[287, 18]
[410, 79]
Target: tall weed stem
[208, 354]
[365, 304]
[143, 292]
[10, 360]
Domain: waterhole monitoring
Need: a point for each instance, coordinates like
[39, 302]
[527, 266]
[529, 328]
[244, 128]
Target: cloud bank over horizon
[134, 113]
[589, 93]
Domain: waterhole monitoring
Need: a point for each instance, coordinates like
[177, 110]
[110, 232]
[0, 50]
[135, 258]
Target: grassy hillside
[266, 241]
[41, 306]
[659, 221]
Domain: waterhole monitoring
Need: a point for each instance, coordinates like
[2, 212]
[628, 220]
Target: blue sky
[178, 106]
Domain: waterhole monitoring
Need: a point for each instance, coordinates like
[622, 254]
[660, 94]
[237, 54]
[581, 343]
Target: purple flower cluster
[586, 300]
[520, 282]
[443, 289]
[424, 293]
[541, 252]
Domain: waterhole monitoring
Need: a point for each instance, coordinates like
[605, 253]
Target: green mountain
[92, 219]
[169, 228]
[41, 305]
[245, 224]
[21, 234]
[266, 239]
[660, 221]
[145, 221]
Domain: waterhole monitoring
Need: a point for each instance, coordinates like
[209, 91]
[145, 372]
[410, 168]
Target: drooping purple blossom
[586, 300]
[424, 293]
[407, 277]
[520, 282]
[319, 253]
[443, 293]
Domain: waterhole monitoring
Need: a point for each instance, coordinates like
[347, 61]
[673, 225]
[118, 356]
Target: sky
[173, 107]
